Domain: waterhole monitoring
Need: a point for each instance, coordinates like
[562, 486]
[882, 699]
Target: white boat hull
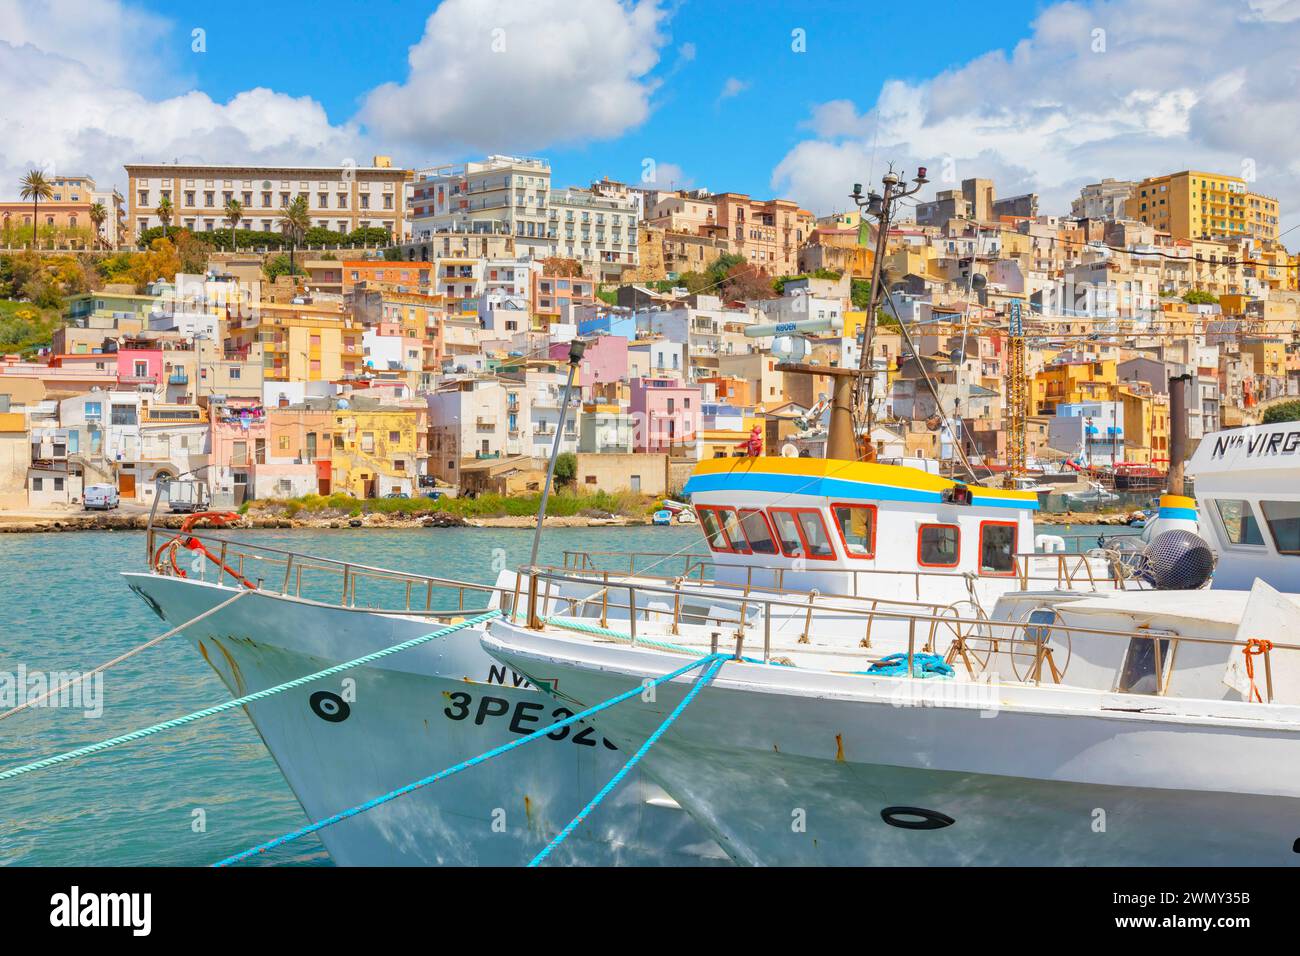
[796, 768]
[410, 715]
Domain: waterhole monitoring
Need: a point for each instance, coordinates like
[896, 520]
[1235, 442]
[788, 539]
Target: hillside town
[377, 331]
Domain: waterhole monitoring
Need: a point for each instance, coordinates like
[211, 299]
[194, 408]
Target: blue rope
[457, 768]
[923, 666]
[247, 699]
[605, 791]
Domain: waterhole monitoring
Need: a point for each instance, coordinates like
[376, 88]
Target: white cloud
[504, 75]
[1167, 85]
[667, 176]
[70, 81]
[732, 87]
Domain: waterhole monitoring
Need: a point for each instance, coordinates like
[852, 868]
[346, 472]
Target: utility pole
[882, 208]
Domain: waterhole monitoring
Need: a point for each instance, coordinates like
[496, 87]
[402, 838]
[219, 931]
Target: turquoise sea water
[64, 607]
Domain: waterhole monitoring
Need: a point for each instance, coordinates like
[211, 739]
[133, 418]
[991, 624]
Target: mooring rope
[466, 764]
[129, 654]
[247, 699]
[704, 679]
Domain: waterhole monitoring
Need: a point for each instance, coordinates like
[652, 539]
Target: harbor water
[199, 793]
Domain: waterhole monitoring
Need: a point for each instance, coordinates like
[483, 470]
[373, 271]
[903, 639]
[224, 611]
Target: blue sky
[733, 144]
[1044, 96]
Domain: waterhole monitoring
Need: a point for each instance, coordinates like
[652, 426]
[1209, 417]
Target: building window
[38, 484]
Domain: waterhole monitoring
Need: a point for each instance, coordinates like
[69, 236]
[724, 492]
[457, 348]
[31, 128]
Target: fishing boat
[1096, 494]
[1152, 725]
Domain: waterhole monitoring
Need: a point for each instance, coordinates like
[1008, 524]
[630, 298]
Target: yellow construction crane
[1017, 396]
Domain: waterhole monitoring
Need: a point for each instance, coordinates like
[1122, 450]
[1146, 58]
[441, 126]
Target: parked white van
[100, 497]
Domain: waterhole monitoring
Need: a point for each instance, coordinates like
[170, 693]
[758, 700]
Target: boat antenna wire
[716, 660]
[576, 348]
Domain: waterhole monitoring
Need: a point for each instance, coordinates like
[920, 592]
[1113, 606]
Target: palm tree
[294, 223]
[97, 216]
[234, 213]
[36, 187]
[165, 212]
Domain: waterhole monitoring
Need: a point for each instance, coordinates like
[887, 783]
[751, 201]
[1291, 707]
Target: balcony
[180, 377]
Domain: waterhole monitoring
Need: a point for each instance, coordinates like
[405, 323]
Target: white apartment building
[340, 198]
[504, 195]
[597, 227]
[1103, 200]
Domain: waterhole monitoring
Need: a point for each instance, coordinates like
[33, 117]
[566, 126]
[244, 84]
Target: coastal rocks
[442, 519]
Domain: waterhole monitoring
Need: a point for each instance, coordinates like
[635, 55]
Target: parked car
[397, 494]
[100, 498]
[434, 495]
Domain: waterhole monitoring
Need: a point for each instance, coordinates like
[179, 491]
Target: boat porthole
[330, 706]
[1295, 847]
[915, 818]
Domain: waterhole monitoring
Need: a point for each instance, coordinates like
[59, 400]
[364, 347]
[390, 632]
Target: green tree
[165, 212]
[566, 468]
[234, 213]
[1282, 412]
[294, 223]
[1198, 297]
[36, 187]
[97, 216]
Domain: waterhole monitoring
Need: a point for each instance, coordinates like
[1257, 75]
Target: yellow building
[1146, 424]
[301, 342]
[376, 451]
[1193, 205]
[1269, 355]
[1070, 382]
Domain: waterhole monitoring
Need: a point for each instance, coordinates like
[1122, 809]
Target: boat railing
[974, 639]
[1037, 569]
[330, 581]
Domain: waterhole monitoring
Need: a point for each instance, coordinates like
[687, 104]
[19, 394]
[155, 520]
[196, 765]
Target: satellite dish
[956, 356]
[789, 451]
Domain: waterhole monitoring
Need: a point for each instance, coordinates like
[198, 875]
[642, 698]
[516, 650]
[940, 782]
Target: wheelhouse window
[857, 527]
[802, 533]
[787, 532]
[757, 532]
[938, 545]
[731, 528]
[997, 547]
[1239, 523]
[1283, 518]
[712, 530]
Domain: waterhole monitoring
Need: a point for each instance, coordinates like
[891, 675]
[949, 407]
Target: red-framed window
[857, 527]
[802, 533]
[713, 535]
[722, 529]
[938, 545]
[998, 548]
[731, 528]
[758, 532]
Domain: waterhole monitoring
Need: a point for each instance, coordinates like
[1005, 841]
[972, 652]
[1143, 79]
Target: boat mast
[882, 209]
[576, 348]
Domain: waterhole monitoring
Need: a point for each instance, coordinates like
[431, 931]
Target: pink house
[605, 359]
[138, 366]
[665, 414]
[239, 444]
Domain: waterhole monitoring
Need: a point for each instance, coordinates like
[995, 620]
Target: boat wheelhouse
[1247, 482]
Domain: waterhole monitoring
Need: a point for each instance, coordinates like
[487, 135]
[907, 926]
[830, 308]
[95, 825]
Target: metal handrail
[901, 614]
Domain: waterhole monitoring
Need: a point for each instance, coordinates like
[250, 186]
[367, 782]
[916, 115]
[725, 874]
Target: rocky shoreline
[80, 521]
[437, 519]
